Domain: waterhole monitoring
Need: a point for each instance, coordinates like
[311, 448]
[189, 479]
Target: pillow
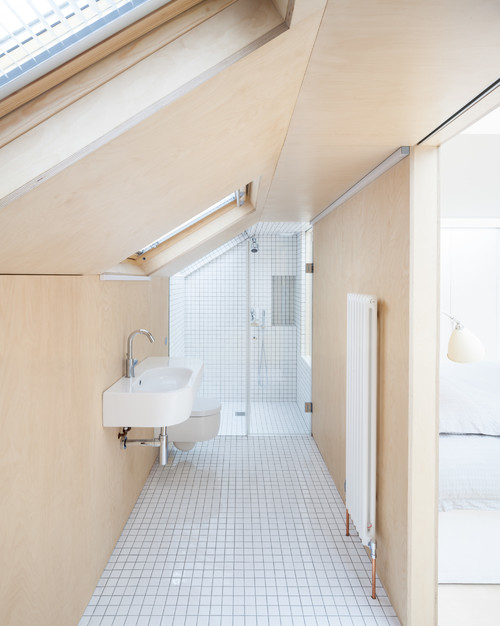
[469, 400]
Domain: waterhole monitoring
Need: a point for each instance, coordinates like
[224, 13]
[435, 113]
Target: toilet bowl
[202, 425]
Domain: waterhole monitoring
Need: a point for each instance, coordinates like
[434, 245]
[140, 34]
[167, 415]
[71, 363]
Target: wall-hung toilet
[202, 425]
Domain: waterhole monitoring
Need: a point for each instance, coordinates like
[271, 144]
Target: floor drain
[239, 413]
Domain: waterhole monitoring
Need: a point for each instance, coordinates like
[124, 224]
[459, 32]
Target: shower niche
[283, 300]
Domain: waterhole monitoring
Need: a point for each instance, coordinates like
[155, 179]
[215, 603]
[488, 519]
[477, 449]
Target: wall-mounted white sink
[161, 393]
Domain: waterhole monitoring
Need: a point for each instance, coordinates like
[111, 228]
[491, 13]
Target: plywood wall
[67, 488]
[363, 247]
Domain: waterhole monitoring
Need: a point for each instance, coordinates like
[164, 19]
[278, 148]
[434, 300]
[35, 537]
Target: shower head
[254, 246]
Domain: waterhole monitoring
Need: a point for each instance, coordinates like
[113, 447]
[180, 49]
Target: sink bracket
[158, 442]
[124, 432]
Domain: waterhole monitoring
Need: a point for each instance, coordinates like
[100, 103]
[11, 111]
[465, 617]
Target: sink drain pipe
[158, 442]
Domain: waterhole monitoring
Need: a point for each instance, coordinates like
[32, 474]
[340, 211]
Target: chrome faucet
[129, 361]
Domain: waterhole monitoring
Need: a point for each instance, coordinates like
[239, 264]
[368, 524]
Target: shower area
[244, 309]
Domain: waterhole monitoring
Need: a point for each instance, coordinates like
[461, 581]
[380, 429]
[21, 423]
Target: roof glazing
[38, 35]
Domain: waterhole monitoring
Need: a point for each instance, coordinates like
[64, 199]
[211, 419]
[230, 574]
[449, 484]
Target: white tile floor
[278, 418]
[267, 418]
[232, 418]
[239, 532]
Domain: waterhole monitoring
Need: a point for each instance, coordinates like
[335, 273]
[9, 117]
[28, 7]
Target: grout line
[239, 531]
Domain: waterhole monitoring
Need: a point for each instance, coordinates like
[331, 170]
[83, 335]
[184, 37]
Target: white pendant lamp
[464, 346]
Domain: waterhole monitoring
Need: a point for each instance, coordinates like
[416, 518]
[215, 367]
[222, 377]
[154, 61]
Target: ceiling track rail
[383, 167]
[463, 110]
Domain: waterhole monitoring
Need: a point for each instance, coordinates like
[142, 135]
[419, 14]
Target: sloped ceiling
[217, 137]
[380, 75]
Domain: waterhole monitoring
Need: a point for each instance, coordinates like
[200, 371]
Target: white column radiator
[361, 418]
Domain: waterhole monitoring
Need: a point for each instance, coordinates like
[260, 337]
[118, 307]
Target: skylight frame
[238, 196]
[118, 15]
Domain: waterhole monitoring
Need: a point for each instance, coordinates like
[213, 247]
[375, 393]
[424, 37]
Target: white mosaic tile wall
[210, 313]
[304, 393]
[215, 323]
[275, 379]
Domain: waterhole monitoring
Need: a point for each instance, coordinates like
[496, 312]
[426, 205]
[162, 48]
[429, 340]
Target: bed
[469, 473]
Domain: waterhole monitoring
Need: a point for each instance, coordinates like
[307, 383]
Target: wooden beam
[96, 53]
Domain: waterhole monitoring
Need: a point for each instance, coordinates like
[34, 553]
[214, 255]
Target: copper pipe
[347, 523]
[374, 583]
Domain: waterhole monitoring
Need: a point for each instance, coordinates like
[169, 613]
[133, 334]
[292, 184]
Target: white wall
[470, 255]
[469, 173]
[276, 257]
[215, 323]
[470, 284]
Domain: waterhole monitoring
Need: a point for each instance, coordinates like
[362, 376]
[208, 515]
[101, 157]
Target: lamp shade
[464, 346]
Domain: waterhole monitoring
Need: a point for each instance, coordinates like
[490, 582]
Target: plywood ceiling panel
[135, 94]
[160, 173]
[381, 75]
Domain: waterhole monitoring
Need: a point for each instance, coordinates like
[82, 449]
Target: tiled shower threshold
[266, 418]
[239, 532]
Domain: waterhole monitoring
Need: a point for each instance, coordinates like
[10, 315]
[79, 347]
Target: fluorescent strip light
[123, 277]
[391, 160]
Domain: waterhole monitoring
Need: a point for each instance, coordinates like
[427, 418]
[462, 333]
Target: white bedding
[469, 398]
[469, 550]
[469, 472]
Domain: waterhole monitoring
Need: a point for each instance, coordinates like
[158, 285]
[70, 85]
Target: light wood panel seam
[148, 112]
[289, 17]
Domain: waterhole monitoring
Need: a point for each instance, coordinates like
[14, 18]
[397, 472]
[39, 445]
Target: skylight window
[38, 35]
[237, 196]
